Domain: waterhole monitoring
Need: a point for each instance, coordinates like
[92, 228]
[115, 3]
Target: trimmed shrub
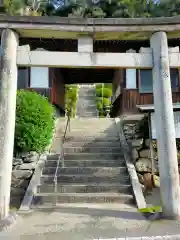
[108, 85]
[106, 102]
[99, 85]
[71, 99]
[99, 106]
[107, 92]
[99, 92]
[34, 122]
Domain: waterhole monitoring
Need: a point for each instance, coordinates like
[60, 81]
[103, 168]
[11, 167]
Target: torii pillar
[165, 129]
[8, 88]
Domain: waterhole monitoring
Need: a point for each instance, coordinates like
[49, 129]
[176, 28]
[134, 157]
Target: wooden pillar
[8, 87]
[165, 129]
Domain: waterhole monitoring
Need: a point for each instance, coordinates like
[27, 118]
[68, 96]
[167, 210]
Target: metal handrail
[61, 155]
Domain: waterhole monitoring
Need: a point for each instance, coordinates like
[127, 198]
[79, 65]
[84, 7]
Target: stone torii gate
[158, 57]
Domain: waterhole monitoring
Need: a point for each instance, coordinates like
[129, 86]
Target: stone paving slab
[87, 222]
[173, 237]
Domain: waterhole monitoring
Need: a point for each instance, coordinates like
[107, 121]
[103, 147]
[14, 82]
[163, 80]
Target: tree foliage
[105, 8]
[94, 8]
[25, 7]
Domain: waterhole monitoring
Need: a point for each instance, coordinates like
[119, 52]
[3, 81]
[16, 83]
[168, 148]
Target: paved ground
[88, 221]
[154, 198]
[75, 222]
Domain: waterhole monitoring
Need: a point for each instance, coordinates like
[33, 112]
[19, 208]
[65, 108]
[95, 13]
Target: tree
[105, 8]
[25, 7]
[37, 7]
[12, 6]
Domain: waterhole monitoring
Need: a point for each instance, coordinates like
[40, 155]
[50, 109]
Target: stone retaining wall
[23, 169]
[141, 158]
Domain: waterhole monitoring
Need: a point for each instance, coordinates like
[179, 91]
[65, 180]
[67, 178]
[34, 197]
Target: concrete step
[94, 132]
[94, 156]
[87, 149]
[83, 188]
[90, 103]
[87, 105]
[54, 157]
[85, 170]
[43, 198]
[91, 139]
[86, 115]
[85, 178]
[96, 125]
[91, 135]
[96, 144]
[86, 112]
[90, 208]
[87, 163]
[111, 131]
[100, 121]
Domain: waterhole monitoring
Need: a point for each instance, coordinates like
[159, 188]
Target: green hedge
[103, 101]
[99, 85]
[102, 104]
[34, 122]
[106, 102]
[71, 96]
[107, 92]
[99, 92]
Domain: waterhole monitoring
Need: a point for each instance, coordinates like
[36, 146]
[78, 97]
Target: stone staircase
[94, 167]
[86, 105]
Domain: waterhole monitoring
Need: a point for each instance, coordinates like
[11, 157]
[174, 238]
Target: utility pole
[8, 88]
[165, 129]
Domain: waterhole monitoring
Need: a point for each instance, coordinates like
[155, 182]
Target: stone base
[8, 222]
[159, 216]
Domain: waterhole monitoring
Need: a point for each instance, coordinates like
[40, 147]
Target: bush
[99, 92]
[34, 122]
[98, 99]
[106, 102]
[108, 85]
[99, 85]
[71, 99]
[107, 92]
[99, 106]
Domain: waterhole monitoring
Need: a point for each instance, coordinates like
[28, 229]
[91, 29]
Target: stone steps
[43, 198]
[85, 170]
[84, 188]
[88, 149]
[86, 105]
[89, 135]
[87, 163]
[85, 178]
[94, 144]
[94, 167]
[91, 139]
[118, 156]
